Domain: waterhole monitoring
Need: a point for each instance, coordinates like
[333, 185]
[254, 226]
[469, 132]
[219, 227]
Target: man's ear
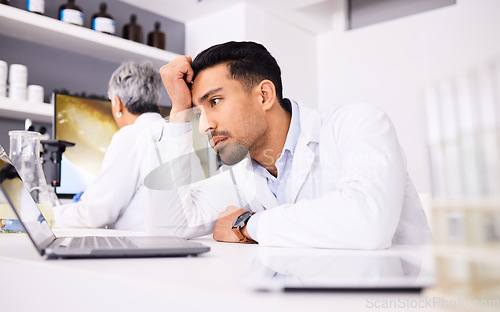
[267, 93]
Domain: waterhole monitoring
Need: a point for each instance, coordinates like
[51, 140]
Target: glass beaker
[8, 219]
[25, 156]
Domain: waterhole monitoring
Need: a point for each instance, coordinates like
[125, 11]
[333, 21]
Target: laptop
[47, 244]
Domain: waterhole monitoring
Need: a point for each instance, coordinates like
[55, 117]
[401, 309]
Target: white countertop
[213, 281]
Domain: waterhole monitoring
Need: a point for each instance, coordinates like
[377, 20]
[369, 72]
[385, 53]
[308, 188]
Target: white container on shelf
[18, 75]
[72, 16]
[3, 89]
[36, 6]
[35, 94]
[3, 72]
[18, 92]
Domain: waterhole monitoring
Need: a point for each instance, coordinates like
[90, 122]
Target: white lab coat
[115, 198]
[348, 188]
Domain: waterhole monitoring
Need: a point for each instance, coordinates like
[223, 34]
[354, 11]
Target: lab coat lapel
[256, 187]
[301, 166]
[303, 159]
[263, 194]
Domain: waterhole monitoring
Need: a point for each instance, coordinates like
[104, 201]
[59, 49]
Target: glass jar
[25, 157]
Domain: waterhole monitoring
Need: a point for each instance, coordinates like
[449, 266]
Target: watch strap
[237, 228]
[243, 238]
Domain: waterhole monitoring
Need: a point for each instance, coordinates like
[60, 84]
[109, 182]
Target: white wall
[293, 48]
[390, 63]
[219, 27]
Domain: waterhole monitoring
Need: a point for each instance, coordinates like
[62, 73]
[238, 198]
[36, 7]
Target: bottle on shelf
[36, 6]
[156, 38]
[102, 21]
[18, 81]
[133, 31]
[71, 13]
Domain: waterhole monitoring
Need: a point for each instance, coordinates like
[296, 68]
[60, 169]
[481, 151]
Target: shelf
[15, 109]
[20, 24]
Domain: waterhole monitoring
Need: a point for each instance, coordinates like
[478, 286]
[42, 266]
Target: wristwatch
[238, 225]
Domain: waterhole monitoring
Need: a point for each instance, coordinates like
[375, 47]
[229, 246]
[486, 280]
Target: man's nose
[204, 125]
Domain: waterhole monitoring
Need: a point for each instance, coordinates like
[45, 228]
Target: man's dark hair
[248, 62]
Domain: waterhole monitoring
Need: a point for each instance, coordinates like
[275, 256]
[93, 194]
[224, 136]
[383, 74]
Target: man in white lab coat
[331, 180]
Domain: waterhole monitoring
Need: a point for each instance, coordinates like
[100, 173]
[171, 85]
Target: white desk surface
[213, 281]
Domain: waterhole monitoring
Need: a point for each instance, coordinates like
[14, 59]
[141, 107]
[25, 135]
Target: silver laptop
[48, 244]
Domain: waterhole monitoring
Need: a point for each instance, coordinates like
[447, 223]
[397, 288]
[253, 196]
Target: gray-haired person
[115, 198]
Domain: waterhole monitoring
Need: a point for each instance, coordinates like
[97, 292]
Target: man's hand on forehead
[177, 78]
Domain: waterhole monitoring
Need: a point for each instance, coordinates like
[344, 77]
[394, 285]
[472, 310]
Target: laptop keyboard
[102, 242]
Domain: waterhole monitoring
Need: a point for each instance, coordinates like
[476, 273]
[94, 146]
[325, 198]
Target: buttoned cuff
[252, 225]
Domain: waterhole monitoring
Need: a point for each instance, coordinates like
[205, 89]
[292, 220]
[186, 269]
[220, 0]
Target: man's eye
[214, 102]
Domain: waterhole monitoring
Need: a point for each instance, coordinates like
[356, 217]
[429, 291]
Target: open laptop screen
[24, 206]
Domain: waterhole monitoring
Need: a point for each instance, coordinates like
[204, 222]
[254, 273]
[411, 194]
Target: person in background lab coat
[114, 200]
[332, 180]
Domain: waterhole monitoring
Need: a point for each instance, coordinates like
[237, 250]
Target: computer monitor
[90, 125]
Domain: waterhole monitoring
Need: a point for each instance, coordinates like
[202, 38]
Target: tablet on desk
[342, 270]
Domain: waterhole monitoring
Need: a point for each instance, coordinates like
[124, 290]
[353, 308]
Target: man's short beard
[233, 153]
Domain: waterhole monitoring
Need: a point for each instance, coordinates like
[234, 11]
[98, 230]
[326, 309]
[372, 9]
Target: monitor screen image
[90, 125]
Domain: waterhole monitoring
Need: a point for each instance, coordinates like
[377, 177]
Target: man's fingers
[223, 225]
[190, 72]
[179, 65]
[189, 76]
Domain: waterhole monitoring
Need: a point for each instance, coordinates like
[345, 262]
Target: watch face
[241, 218]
